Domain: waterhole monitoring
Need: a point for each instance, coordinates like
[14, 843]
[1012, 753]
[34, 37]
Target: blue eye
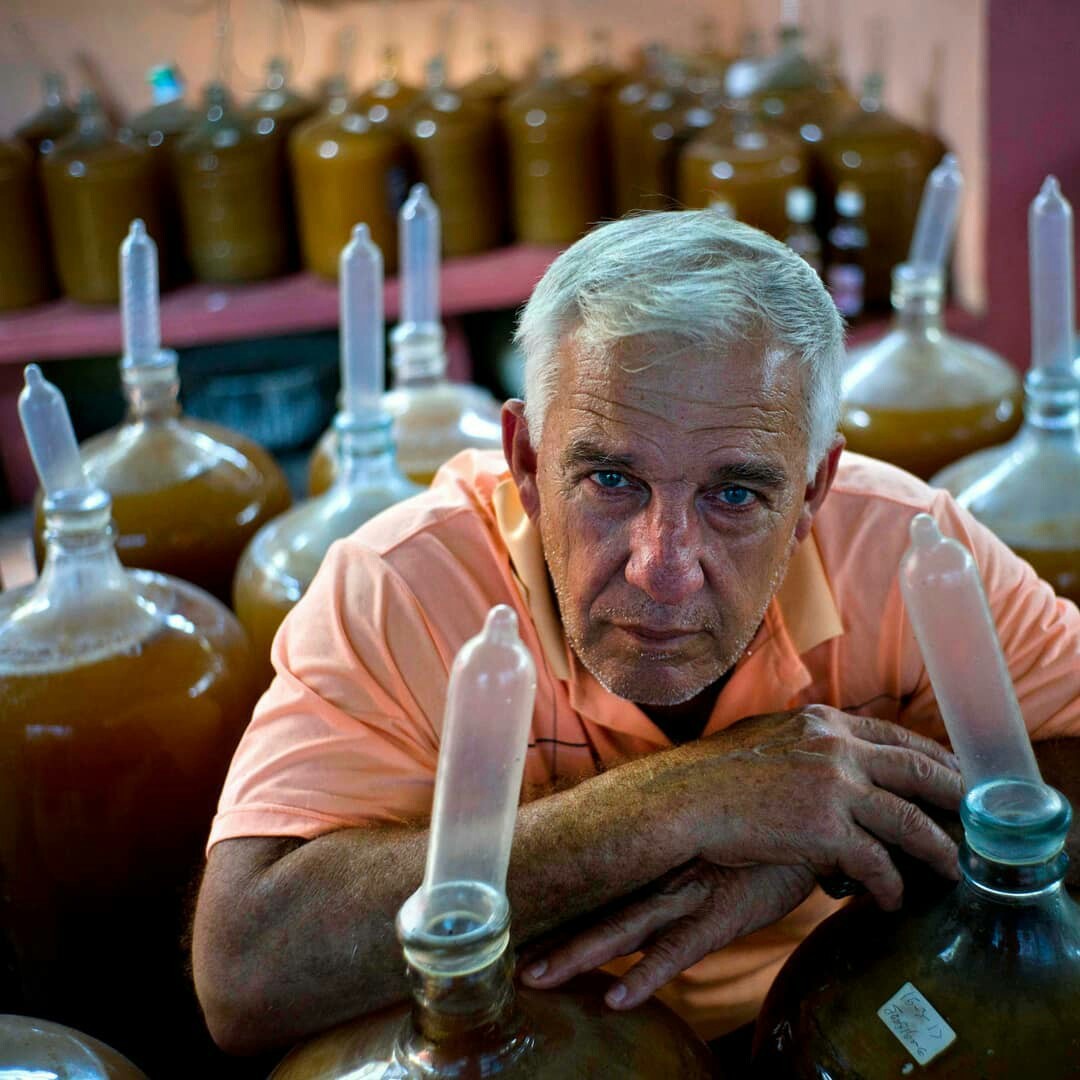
[610, 481]
[734, 495]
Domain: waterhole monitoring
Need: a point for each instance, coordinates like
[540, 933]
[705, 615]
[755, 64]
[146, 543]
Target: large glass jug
[25, 273]
[492, 86]
[42, 1050]
[52, 121]
[467, 1018]
[280, 562]
[347, 169]
[95, 184]
[158, 129]
[123, 694]
[1028, 489]
[888, 161]
[232, 195]
[978, 980]
[744, 167]
[389, 100]
[625, 102]
[187, 495]
[433, 417]
[555, 172]
[456, 147]
[921, 397]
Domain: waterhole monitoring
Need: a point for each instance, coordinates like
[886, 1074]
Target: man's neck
[685, 722]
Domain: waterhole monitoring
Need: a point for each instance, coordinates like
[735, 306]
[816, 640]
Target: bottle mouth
[455, 928]
[83, 504]
[1018, 822]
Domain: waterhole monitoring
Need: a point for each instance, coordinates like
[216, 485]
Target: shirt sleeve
[347, 733]
[1039, 634]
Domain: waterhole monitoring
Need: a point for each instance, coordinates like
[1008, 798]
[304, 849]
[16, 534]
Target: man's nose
[665, 552]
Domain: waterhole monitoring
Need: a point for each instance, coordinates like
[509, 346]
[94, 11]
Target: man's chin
[662, 685]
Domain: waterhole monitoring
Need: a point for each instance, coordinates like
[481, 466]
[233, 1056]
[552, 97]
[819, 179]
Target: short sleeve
[347, 732]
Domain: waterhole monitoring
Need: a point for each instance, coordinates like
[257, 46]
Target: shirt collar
[804, 603]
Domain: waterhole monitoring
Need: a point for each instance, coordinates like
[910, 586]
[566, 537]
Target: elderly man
[730, 699]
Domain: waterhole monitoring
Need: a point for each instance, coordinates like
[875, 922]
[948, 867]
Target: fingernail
[615, 995]
[536, 971]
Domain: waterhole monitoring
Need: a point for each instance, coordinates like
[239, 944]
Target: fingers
[905, 826]
[885, 733]
[747, 899]
[623, 931]
[914, 776]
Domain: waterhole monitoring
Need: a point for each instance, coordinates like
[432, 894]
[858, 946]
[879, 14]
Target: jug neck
[79, 537]
[152, 389]
[462, 972]
[418, 356]
[1052, 403]
[917, 302]
[366, 456]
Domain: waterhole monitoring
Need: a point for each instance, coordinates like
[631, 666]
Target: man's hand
[823, 790]
[689, 913]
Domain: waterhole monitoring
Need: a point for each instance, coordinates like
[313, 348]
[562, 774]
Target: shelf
[209, 314]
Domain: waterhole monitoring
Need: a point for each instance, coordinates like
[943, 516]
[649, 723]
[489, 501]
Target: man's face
[669, 490]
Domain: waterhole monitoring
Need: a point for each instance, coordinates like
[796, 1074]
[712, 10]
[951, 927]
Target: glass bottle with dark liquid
[492, 86]
[388, 102]
[433, 418]
[1028, 489]
[158, 129]
[283, 557]
[467, 1018]
[232, 195]
[52, 121]
[347, 169]
[456, 147]
[887, 160]
[95, 185]
[978, 980]
[921, 397]
[747, 166]
[555, 175]
[625, 102]
[40, 1049]
[123, 695]
[187, 495]
[25, 273]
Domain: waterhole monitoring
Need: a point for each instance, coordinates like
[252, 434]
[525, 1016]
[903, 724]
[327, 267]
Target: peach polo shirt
[348, 733]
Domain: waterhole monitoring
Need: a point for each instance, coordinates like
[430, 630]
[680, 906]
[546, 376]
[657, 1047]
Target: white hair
[692, 276]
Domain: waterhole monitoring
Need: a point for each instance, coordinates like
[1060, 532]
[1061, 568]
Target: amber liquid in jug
[921, 398]
[123, 694]
[347, 169]
[51, 122]
[187, 495]
[745, 166]
[456, 148]
[25, 273]
[888, 161]
[555, 172]
[95, 185]
[232, 196]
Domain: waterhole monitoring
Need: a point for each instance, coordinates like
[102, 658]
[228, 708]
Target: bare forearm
[311, 942]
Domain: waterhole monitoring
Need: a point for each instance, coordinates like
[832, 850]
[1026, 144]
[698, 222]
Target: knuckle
[922, 767]
[911, 820]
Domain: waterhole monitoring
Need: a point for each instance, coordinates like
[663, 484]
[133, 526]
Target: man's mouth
[657, 635]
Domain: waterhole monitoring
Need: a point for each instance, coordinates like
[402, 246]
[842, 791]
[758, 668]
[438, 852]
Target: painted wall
[934, 50]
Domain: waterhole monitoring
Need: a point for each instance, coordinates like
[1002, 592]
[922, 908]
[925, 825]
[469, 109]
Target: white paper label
[917, 1024]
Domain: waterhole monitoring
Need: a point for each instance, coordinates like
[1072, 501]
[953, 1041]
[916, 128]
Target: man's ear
[521, 455]
[818, 488]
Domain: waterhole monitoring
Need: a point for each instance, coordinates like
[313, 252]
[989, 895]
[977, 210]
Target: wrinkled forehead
[684, 382]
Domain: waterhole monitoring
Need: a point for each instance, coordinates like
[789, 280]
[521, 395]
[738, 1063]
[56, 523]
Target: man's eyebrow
[754, 474]
[584, 452]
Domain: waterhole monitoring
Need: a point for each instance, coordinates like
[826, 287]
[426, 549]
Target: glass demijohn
[123, 695]
[920, 397]
[974, 981]
[284, 555]
[467, 1018]
[433, 418]
[186, 495]
[1028, 490]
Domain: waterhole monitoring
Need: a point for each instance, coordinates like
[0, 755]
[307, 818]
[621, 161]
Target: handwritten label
[917, 1024]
